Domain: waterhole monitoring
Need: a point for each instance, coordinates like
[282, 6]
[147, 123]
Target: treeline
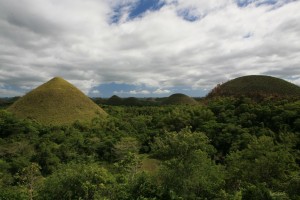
[175, 99]
[129, 101]
[229, 148]
[6, 102]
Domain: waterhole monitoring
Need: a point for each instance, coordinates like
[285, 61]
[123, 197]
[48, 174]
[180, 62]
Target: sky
[146, 48]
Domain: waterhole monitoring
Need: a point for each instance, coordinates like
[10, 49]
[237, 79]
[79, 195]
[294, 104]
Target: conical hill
[179, 99]
[114, 100]
[256, 86]
[56, 102]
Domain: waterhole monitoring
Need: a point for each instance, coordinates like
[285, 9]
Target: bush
[258, 192]
[77, 181]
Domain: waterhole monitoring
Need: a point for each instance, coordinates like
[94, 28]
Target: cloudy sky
[146, 47]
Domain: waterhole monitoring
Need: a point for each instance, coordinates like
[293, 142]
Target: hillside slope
[56, 102]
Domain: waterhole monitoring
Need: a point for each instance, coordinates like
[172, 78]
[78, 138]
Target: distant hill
[256, 86]
[179, 99]
[114, 100]
[7, 101]
[56, 102]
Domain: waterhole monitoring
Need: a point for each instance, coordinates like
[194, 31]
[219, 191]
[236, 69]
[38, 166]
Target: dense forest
[222, 148]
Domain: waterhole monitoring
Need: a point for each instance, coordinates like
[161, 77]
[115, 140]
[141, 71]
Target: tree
[30, 178]
[126, 145]
[262, 161]
[128, 166]
[192, 177]
[144, 186]
[187, 171]
[256, 192]
[180, 144]
[77, 181]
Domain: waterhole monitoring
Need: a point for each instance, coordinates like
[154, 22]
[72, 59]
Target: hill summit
[56, 102]
[256, 86]
[179, 99]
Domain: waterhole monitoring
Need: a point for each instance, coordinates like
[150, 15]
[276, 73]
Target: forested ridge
[223, 148]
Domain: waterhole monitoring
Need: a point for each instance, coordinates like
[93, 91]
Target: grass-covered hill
[56, 102]
[179, 99]
[256, 86]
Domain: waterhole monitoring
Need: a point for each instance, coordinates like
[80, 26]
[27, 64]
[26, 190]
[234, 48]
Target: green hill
[56, 102]
[179, 99]
[114, 101]
[256, 85]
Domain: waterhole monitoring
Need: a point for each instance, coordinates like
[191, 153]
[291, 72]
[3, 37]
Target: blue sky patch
[126, 90]
[245, 3]
[187, 15]
[145, 5]
[136, 9]
[12, 91]
[107, 89]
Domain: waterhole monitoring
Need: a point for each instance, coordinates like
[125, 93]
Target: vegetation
[229, 148]
[56, 102]
[6, 102]
[131, 101]
[256, 86]
[179, 99]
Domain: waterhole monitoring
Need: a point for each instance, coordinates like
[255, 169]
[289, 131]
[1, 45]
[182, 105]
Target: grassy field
[150, 165]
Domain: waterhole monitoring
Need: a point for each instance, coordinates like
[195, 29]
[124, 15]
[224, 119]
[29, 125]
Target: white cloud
[161, 91]
[200, 7]
[75, 39]
[119, 92]
[296, 80]
[9, 93]
[133, 92]
[26, 88]
[139, 92]
[95, 92]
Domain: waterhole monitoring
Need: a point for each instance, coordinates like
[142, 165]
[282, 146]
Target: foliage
[77, 181]
[180, 145]
[145, 186]
[256, 192]
[125, 146]
[193, 176]
[293, 187]
[12, 193]
[30, 178]
[187, 170]
[226, 148]
[262, 162]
